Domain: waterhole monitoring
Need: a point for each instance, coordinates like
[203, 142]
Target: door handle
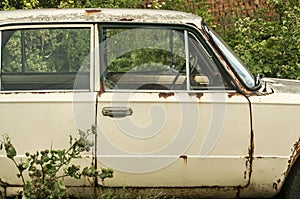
[117, 112]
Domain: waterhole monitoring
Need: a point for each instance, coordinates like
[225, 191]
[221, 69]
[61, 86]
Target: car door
[166, 113]
[46, 89]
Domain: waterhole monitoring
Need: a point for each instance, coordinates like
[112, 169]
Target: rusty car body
[174, 108]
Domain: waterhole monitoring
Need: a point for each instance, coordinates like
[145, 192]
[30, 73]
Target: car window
[203, 71]
[45, 58]
[155, 58]
[143, 58]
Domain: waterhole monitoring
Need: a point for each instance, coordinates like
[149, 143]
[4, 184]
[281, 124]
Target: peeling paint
[247, 165]
[90, 12]
[275, 186]
[125, 19]
[198, 95]
[165, 95]
[294, 156]
[98, 15]
[101, 89]
[249, 161]
[230, 95]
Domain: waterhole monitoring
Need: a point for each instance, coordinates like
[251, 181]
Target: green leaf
[10, 151]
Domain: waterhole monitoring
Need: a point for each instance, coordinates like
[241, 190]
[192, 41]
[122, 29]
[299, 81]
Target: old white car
[175, 109]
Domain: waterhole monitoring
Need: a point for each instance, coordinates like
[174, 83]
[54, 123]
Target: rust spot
[247, 166]
[90, 12]
[184, 157]
[125, 19]
[165, 95]
[101, 89]
[40, 92]
[278, 181]
[234, 81]
[230, 95]
[294, 156]
[198, 95]
[275, 186]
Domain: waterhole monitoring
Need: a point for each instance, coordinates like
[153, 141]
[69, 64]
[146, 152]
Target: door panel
[166, 115]
[46, 89]
[180, 140]
[39, 121]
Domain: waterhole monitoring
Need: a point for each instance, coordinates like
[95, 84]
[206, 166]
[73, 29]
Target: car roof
[97, 15]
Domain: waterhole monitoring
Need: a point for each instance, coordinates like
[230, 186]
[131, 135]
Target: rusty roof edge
[97, 15]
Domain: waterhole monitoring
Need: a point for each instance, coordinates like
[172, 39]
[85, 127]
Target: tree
[269, 45]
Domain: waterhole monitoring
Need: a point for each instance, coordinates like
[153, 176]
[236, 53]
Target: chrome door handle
[117, 112]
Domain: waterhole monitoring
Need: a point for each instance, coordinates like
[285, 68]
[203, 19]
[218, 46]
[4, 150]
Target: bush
[269, 45]
[48, 168]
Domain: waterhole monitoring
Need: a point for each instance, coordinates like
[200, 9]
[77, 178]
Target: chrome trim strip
[92, 57]
[96, 53]
[0, 60]
[187, 59]
[39, 26]
[44, 91]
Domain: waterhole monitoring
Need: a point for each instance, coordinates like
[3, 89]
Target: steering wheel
[193, 68]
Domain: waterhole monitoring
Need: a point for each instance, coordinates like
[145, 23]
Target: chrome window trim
[0, 60]
[45, 91]
[96, 54]
[92, 57]
[187, 60]
[40, 26]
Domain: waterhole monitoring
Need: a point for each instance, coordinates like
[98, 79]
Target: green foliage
[29, 4]
[137, 194]
[24, 4]
[48, 168]
[46, 50]
[269, 45]
[193, 6]
[143, 49]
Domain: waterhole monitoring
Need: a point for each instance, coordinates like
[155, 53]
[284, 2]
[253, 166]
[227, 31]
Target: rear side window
[45, 59]
[156, 58]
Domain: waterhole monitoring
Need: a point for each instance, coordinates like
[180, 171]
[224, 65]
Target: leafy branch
[48, 168]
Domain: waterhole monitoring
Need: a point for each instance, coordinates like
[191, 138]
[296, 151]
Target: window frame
[187, 29]
[90, 26]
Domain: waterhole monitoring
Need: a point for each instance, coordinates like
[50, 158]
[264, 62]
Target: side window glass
[157, 59]
[143, 58]
[45, 59]
[203, 72]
